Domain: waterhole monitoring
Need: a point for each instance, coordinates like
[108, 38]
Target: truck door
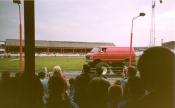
[104, 54]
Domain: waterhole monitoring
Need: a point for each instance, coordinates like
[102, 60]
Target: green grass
[66, 63]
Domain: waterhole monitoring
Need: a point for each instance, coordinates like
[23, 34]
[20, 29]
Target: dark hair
[156, 67]
[99, 70]
[132, 71]
[86, 68]
[115, 92]
[41, 74]
[71, 81]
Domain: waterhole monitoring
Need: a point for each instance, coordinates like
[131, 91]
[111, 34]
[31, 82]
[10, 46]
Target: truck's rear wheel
[105, 67]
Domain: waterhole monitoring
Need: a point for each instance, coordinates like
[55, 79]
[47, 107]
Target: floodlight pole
[152, 29]
[20, 35]
[131, 37]
[21, 64]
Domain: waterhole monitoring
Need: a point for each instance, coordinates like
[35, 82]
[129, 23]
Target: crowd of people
[153, 88]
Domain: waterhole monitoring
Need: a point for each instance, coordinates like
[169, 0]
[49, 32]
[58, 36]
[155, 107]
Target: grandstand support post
[63, 50]
[73, 50]
[48, 50]
[29, 26]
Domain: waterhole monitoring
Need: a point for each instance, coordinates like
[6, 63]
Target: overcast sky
[92, 20]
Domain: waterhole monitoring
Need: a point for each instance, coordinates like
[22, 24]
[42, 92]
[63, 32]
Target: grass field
[67, 63]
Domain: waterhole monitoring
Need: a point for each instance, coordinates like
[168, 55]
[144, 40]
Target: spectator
[81, 85]
[98, 91]
[130, 73]
[135, 91]
[57, 72]
[156, 67]
[44, 82]
[31, 91]
[99, 72]
[71, 88]
[124, 76]
[115, 96]
[15, 85]
[6, 92]
[57, 91]
[46, 72]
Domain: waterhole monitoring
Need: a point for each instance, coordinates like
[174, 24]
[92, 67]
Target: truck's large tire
[106, 68]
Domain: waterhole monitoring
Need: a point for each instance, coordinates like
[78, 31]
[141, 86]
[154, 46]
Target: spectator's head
[135, 87]
[98, 92]
[86, 68]
[156, 67]
[57, 72]
[125, 69]
[41, 75]
[99, 70]
[131, 72]
[115, 92]
[71, 81]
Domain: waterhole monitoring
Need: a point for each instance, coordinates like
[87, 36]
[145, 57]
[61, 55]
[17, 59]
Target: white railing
[42, 54]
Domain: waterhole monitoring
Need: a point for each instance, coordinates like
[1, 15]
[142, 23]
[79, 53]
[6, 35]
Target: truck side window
[103, 49]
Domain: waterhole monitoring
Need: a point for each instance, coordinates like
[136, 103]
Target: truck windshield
[94, 50]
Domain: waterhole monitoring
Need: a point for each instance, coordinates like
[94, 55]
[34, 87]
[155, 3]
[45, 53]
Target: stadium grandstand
[52, 48]
[61, 47]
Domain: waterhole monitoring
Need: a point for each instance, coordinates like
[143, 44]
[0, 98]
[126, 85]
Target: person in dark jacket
[156, 67]
[81, 85]
[98, 90]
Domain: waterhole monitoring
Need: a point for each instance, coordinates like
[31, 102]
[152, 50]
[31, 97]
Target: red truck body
[110, 54]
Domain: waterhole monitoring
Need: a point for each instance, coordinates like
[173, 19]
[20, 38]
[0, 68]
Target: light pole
[130, 58]
[20, 35]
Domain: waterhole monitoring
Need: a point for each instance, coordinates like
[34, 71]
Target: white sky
[93, 20]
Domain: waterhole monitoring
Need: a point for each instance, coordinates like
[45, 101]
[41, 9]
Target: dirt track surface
[73, 74]
[111, 79]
